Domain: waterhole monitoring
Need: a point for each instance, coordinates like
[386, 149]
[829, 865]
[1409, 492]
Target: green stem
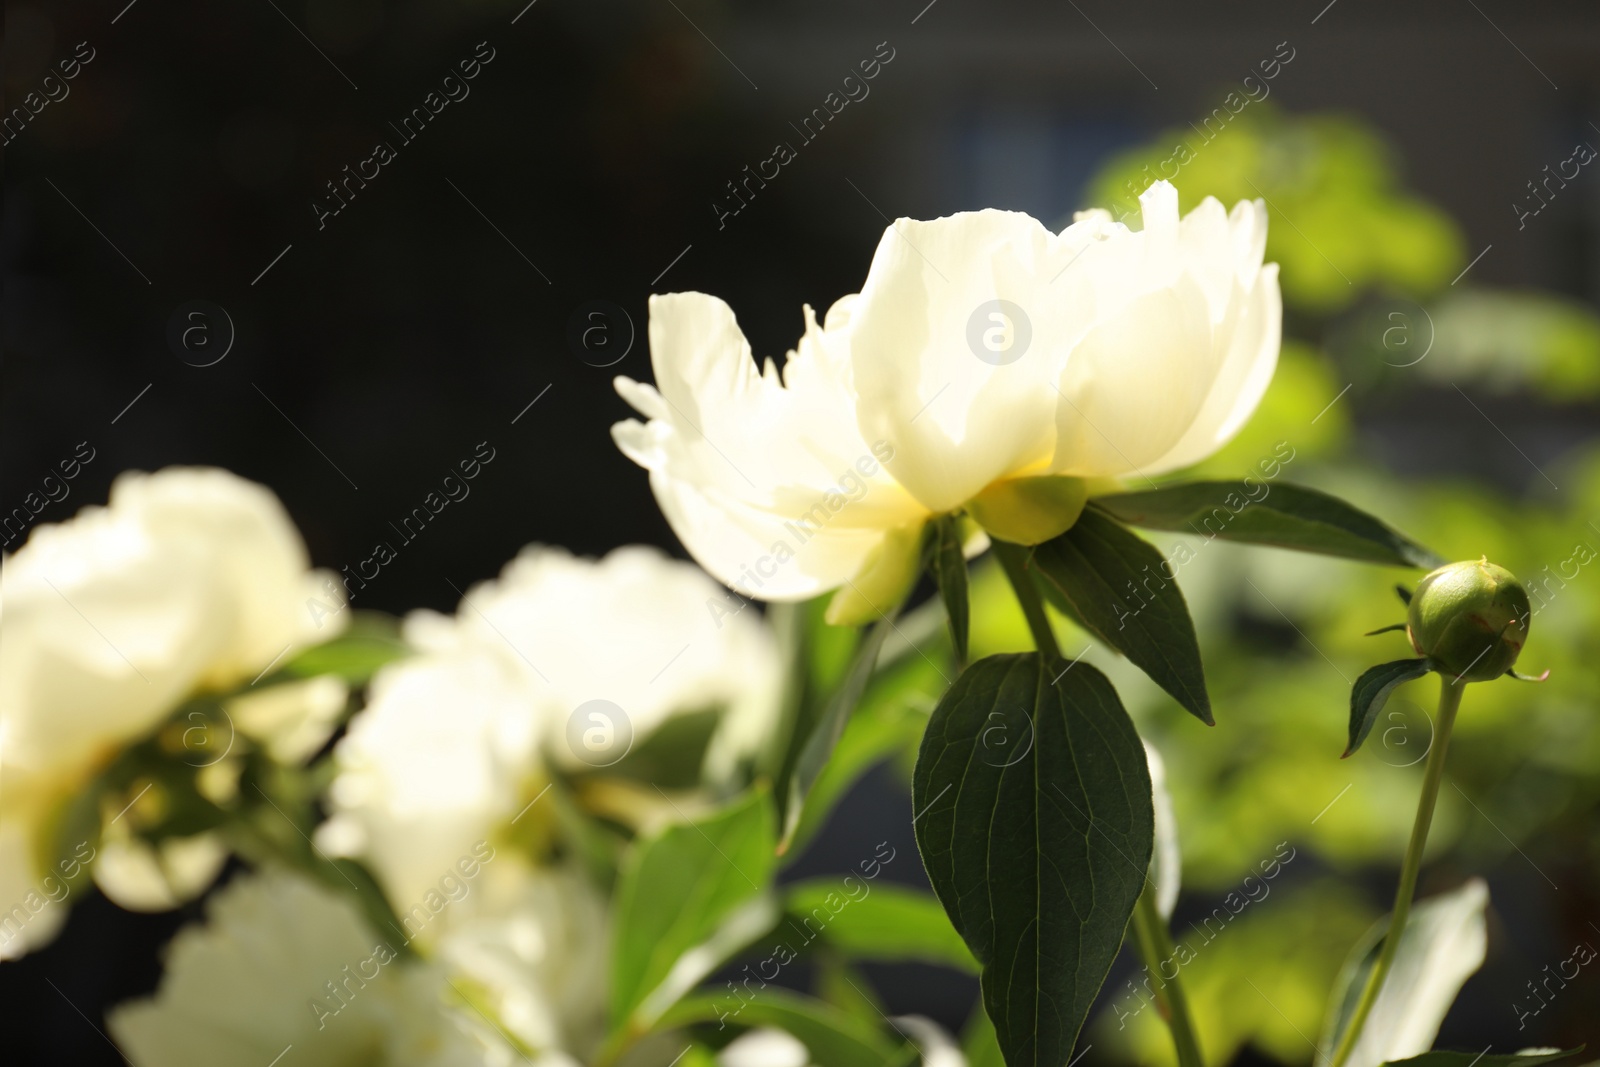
[1449, 703]
[1014, 559]
[1149, 929]
[1155, 948]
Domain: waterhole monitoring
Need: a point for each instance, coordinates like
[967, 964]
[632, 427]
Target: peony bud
[1470, 618]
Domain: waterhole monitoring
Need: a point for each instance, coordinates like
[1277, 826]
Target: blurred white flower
[451, 755]
[188, 581]
[765, 1047]
[985, 362]
[284, 962]
[453, 742]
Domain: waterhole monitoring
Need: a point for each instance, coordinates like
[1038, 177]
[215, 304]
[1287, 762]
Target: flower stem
[1449, 703]
[1149, 929]
[1155, 948]
[1014, 558]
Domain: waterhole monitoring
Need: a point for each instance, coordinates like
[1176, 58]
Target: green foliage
[371, 641]
[692, 886]
[832, 1036]
[949, 567]
[883, 923]
[1282, 515]
[1038, 852]
[1532, 1058]
[824, 737]
[1106, 572]
[1371, 693]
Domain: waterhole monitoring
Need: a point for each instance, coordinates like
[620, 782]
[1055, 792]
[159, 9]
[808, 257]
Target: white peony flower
[452, 744]
[189, 580]
[985, 362]
[450, 758]
[284, 964]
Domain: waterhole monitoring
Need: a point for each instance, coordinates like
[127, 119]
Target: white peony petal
[766, 1047]
[764, 477]
[1241, 381]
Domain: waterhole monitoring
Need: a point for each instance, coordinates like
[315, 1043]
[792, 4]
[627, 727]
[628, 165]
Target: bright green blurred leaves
[371, 640]
[825, 734]
[877, 922]
[1037, 851]
[832, 1036]
[689, 898]
[1340, 223]
[1121, 589]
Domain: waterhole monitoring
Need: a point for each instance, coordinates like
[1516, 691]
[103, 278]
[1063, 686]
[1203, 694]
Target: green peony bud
[1470, 618]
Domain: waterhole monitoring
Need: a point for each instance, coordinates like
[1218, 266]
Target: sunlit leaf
[1277, 514]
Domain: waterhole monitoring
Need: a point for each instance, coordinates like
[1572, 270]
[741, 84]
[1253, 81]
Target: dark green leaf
[877, 921]
[1037, 850]
[820, 745]
[832, 1037]
[1385, 629]
[1441, 1058]
[1405, 594]
[949, 566]
[371, 641]
[1371, 692]
[1287, 516]
[1122, 591]
[679, 890]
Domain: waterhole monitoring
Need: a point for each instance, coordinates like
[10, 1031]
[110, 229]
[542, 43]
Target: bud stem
[1150, 935]
[1450, 689]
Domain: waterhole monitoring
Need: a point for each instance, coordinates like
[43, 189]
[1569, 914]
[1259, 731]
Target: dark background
[429, 313]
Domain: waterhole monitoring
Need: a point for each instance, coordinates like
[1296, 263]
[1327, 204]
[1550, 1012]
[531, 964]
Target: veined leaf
[1037, 851]
[878, 921]
[1121, 590]
[1371, 693]
[678, 891]
[1287, 516]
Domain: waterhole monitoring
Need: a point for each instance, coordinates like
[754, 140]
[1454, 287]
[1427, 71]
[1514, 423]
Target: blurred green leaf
[371, 641]
[1442, 945]
[832, 1036]
[1098, 566]
[1040, 889]
[681, 889]
[1530, 1058]
[888, 923]
[819, 746]
[1285, 516]
[978, 1041]
[1340, 222]
[887, 723]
